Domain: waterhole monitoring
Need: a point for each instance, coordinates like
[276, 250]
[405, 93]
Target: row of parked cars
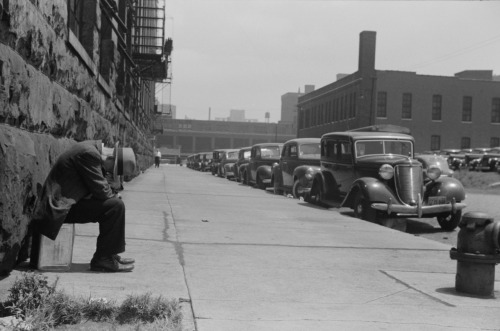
[479, 159]
[376, 174]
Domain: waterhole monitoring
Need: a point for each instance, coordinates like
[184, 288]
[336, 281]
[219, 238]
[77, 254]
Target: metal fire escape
[150, 51]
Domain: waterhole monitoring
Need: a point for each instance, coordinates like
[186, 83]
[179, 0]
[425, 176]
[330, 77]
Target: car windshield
[246, 154]
[310, 151]
[232, 155]
[382, 147]
[270, 152]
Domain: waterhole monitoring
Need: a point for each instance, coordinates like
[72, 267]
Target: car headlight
[433, 172]
[386, 171]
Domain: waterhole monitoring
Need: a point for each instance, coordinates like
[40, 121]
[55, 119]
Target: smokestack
[367, 41]
[209, 112]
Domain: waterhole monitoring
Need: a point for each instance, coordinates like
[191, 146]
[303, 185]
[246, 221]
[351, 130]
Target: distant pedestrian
[157, 158]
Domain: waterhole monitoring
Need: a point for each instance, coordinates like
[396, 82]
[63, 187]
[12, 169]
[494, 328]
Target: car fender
[373, 189]
[264, 172]
[327, 183]
[301, 171]
[446, 186]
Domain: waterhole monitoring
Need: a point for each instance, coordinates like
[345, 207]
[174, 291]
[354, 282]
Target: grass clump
[37, 305]
[480, 181]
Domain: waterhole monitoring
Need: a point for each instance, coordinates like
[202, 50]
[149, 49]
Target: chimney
[367, 41]
[308, 89]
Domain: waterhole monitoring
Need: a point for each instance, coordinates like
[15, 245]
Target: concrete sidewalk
[240, 258]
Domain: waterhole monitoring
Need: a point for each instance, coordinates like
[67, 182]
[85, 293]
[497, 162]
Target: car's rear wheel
[362, 208]
[316, 195]
[449, 222]
[297, 189]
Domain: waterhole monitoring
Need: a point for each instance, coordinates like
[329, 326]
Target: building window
[75, 11]
[494, 142]
[353, 105]
[435, 143]
[406, 113]
[436, 107]
[465, 142]
[495, 110]
[382, 104]
[467, 109]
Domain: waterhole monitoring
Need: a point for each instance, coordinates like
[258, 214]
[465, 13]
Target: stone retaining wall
[48, 100]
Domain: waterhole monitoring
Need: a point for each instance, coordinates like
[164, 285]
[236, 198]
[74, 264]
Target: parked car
[429, 160]
[197, 161]
[259, 168]
[243, 157]
[375, 174]
[456, 161]
[489, 160]
[190, 161]
[473, 157]
[228, 159]
[297, 166]
[206, 161]
[216, 157]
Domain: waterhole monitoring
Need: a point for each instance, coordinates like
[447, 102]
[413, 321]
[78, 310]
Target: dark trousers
[110, 214]
[157, 161]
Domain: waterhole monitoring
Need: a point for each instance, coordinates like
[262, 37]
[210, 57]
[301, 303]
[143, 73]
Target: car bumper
[419, 210]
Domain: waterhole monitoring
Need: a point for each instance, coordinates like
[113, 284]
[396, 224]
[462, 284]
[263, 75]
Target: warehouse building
[459, 111]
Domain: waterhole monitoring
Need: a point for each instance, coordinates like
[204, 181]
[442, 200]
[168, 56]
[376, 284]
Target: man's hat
[124, 161]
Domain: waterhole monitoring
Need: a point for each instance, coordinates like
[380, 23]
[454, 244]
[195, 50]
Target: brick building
[71, 71]
[441, 112]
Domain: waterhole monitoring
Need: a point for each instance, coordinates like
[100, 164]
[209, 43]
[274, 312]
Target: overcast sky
[245, 54]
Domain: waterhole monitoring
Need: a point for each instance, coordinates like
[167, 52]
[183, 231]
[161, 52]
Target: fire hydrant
[477, 253]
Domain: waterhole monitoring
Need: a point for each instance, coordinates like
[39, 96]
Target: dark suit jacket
[76, 174]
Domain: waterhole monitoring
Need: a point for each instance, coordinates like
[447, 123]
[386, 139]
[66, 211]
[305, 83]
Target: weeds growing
[37, 305]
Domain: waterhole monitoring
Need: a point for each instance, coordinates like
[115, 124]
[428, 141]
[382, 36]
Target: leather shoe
[123, 260]
[109, 264]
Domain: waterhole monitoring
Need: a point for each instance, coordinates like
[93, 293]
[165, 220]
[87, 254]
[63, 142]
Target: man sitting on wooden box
[76, 191]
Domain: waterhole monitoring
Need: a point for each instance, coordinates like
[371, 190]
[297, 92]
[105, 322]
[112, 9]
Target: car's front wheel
[362, 208]
[449, 222]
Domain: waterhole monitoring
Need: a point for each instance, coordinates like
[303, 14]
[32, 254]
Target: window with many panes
[436, 107]
[495, 110]
[435, 142]
[382, 104]
[406, 110]
[465, 142]
[467, 109]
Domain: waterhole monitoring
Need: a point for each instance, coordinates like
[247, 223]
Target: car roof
[303, 140]
[368, 135]
[268, 144]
